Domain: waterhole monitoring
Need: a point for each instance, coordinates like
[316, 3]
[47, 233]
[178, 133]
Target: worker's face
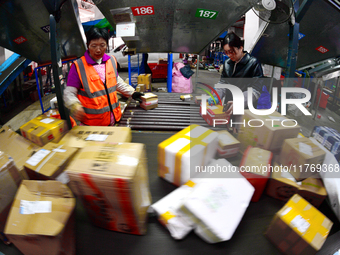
[97, 48]
[234, 53]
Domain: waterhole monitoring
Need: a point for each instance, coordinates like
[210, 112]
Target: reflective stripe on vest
[87, 93]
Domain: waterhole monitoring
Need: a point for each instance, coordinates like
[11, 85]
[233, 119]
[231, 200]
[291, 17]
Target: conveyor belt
[172, 114]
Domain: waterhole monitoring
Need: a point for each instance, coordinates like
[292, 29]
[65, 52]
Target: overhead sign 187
[207, 14]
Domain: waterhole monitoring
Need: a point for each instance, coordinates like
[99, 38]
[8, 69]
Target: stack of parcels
[81, 136]
[17, 147]
[145, 81]
[140, 88]
[282, 185]
[228, 145]
[267, 132]
[42, 130]
[10, 180]
[255, 166]
[149, 101]
[183, 153]
[329, 138]
[298, 228]
[112, 182]
[49, 162]
[41, 219]
[215, 115]
[198, 100]
[330, 178]
[212, 207]
[302, 157]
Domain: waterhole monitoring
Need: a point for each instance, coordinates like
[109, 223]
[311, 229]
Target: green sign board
[206, 14]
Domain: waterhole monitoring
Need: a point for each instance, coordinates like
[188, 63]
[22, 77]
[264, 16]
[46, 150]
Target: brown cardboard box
[298, 228]
[271, 135]
[215, 115]
[163, 61]
[42, 130]
[41, 220]
[140, 78]
[112, 182]
[302, 157]
[16, 146]
[81, 136]
[10, 179]
[282, 185]
[146, 80]
[198, 100]
[149, 101]
[228, 145]
[49, 162]
[255, 166]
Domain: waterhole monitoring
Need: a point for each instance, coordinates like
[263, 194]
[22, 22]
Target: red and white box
[255, 166]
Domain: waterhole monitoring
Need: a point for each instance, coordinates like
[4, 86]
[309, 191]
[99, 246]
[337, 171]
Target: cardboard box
[146, 80]
[298, 228]
[42, 130]
[282, 185]
[140, 88]
[255, 166]
[10, 179]
[16, 146]
[149, 101]
[41, 219]
[181, 153]
[49, 162]
[267, 132]
[163, 61]
[228, 145]
[186, 98]
[215, 115]
[198, 99]
[81, 136]
[302, 157]
[112, 182]
[216, 207]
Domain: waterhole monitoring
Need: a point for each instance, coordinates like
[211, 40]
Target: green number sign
[207, 14]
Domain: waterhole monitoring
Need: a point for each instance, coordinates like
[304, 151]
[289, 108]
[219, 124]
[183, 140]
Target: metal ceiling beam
[302, 10]
[55, 13]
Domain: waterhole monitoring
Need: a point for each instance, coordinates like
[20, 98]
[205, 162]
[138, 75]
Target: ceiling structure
[24, 29]
[176, 25]
[318, 40]
[171, 26]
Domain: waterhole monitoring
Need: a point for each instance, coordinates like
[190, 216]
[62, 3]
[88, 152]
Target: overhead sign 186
[143, 10]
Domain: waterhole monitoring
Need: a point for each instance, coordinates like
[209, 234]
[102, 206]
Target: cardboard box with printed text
[298, 228]
[42, 130]
[81, 136]
[41, 220]
[112, 182]
[302, 157]
[49, 162]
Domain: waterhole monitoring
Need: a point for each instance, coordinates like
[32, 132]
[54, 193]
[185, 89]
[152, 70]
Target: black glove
[136, 96]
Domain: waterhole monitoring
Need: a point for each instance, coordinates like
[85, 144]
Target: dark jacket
[246, 73]
[248, 67]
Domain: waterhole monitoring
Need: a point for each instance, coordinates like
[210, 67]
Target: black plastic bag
[186, 71]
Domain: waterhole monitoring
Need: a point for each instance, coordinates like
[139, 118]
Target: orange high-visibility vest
[94, 96]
